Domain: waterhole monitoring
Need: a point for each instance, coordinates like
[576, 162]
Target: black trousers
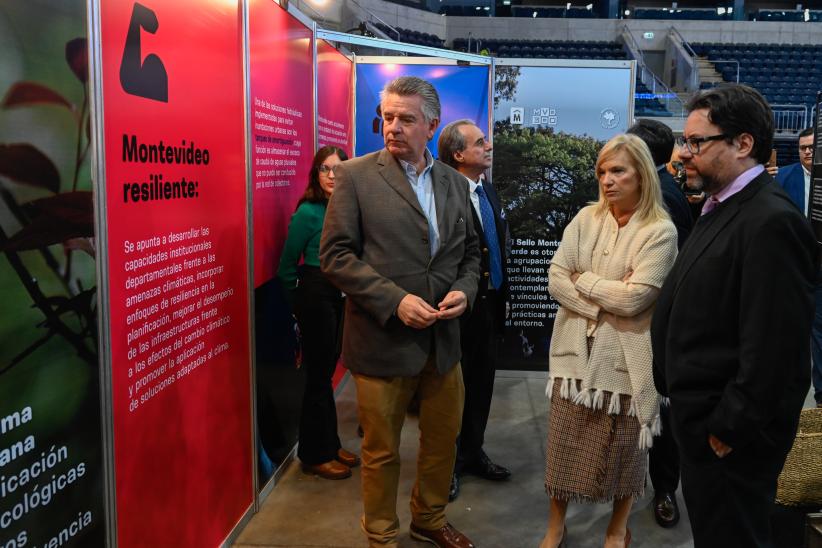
[730, 500]
[663, 458]
[319, 311]
[480, 341]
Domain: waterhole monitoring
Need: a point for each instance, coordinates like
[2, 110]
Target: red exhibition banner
[335, 98]
[177, 260]
[281, 60]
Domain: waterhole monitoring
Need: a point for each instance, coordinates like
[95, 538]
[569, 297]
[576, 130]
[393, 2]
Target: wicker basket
[800, 482]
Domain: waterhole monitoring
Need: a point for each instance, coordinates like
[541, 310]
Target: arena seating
[554, 12]
[785, 15]
[412, 36]
[546, 49]
[647, 104]
[682, 14]
[785, 75]
[786, 151]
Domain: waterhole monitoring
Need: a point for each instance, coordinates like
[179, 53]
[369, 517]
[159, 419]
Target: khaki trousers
[382, 403]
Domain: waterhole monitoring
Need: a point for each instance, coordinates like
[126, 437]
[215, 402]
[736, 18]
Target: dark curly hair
[737, 109]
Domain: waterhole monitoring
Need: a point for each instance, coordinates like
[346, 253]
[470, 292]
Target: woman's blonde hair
[650, 207]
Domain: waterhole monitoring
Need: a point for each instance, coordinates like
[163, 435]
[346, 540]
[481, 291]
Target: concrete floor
[305, 511]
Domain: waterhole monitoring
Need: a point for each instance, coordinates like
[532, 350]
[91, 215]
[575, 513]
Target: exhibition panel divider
[335, 114]
[172, 226]
[282, 140]
[335, 98]
[550, 120]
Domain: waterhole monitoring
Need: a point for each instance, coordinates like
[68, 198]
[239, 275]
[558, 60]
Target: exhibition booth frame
[203, 118]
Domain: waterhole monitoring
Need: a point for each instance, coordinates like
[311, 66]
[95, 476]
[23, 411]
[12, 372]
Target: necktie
[489, 228]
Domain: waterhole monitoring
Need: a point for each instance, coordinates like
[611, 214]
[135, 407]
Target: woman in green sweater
[318, 306]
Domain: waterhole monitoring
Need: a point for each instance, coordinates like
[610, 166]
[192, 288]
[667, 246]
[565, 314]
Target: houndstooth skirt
[593, 456]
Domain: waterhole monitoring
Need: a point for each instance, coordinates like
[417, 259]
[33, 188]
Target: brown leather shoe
[444, 537]
[332, 470]
[347, 458]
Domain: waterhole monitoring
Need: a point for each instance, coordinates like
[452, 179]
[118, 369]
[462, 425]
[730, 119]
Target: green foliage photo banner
[51, 465]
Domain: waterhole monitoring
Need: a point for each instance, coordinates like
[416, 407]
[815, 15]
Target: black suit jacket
[731, 329]
[677, 205]
[504, 242]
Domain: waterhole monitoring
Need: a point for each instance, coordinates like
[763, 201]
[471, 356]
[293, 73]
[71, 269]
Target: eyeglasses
[693, 143]
[325, 170]
[805, 148]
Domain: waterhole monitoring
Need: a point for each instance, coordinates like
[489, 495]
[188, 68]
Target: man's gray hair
[406, 86]
[452, 140]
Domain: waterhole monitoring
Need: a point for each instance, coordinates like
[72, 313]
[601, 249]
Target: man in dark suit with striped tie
[463, 146]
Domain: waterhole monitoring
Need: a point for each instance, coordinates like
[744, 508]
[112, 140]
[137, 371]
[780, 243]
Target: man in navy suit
[663, 458]
[463, 146]
[796, 180]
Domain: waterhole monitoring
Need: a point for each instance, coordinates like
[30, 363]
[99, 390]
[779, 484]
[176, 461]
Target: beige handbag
[800, 482]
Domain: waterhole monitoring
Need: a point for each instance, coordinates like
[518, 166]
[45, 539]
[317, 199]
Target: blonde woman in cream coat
[606, 275]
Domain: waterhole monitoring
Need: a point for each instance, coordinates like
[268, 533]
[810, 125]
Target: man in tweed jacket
[398, 242]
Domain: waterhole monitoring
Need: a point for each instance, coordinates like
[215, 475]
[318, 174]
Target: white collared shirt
[424, 189]
[807, 187]
[475, 201]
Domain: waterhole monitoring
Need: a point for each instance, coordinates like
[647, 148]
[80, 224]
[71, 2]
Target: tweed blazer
[375, 248]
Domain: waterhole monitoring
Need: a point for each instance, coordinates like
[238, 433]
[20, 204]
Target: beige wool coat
[621, 271]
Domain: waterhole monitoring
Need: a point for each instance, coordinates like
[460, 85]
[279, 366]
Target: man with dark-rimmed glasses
[732, 323]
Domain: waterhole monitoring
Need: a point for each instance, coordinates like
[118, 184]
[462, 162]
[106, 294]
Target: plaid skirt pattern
[593, 456]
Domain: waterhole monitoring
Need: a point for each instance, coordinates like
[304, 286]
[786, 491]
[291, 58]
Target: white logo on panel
[517, 114]
[545, 116]
[609, 118]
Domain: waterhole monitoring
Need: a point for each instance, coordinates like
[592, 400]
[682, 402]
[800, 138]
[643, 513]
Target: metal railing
[687, 65]
[477, 43]
[369, 15]
[789, 118]
[715, 61]
[669, 99]
[673, 30]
